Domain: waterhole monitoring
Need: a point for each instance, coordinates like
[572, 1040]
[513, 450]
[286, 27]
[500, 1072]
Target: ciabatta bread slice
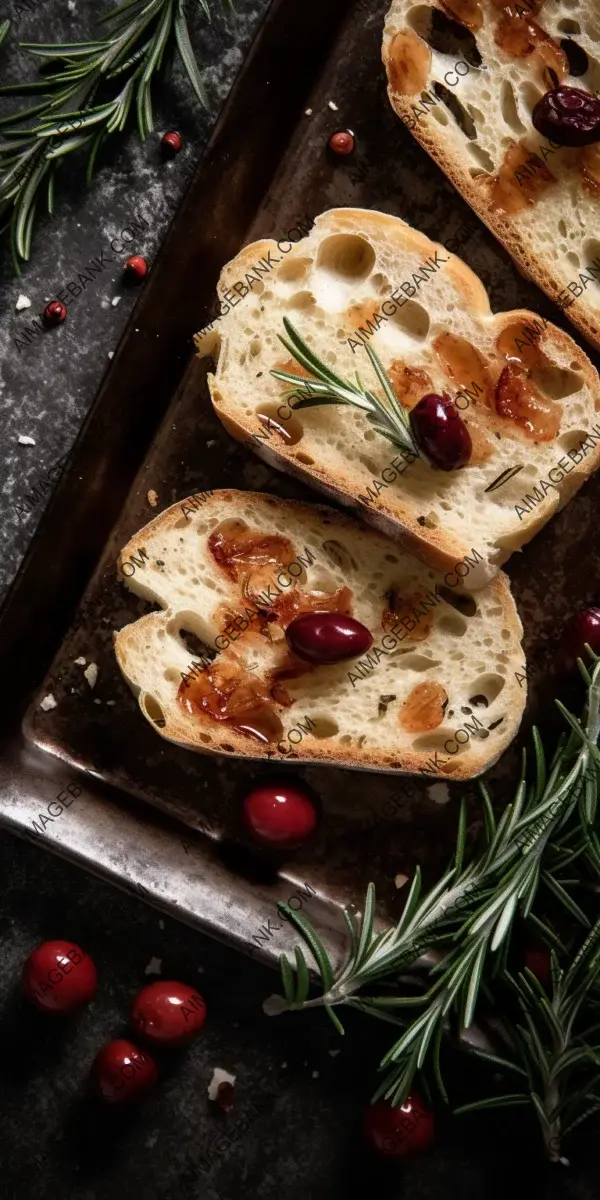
[437, 692]
[362, 277]
[464, 76]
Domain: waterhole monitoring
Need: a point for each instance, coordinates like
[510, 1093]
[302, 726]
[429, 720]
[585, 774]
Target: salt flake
[22, 303]
[154, 967]
[48, 702]
[91, 674]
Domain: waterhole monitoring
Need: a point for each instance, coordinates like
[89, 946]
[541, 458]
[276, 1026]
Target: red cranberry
[122, 1072]
[537, 959]
[59, 977]
[55, 312]
[569, 116]
[583, 627]
[440, 432]
[342, 142]
[327, 637]
[402, 1131]
[172, 142]
[280, 814]
[168, 1013]
[136, 267]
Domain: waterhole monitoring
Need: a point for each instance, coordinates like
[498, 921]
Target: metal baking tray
[89, 778]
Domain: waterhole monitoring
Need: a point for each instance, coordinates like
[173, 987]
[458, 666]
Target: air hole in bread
[435, 741]
[558, 382]
[443, 34]
[481, 156]
[304, 458]
[464, 121]
[294, 270]
[495, 724]
[413, 320]
[303, 301]
[340, 556]
[196, 647]
[255, 347]
[463, 602]
[348, 257]
[416, 662]
[485, 689]
[578, 59]
[573, 258]
[508, 104]
[568, 25]
[529, 94]
[380, 283]
[372, 467]
[572, 439]
[324, 727]
[454, 625]
[440, 115]
[152, 709]
[591, 252]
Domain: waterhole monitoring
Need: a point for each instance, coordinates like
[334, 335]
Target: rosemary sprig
[387, 416]
[558, 1058]
[86, 100]
[470, 914]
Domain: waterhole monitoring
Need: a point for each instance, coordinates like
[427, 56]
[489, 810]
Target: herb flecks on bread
[236, 573]
[524, 401]
[472, 104]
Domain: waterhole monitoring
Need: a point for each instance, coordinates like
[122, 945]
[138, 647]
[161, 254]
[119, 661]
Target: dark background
[294, 1132]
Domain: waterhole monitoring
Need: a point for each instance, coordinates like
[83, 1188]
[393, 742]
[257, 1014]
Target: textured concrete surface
[300, 1091]
[48, 383]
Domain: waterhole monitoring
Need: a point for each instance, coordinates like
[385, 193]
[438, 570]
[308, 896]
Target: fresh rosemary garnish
[86, 100]
[388, 417]
[468, 918]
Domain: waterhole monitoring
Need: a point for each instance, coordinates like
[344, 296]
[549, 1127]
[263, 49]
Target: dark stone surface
[48, 385]
[294, 1132]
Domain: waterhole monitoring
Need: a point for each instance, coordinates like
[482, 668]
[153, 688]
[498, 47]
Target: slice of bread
[464, 76]
[437, 692]
[428, 317]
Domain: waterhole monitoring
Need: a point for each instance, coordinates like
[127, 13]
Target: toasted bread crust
[396, 515]
[190, 733]
[432, 138]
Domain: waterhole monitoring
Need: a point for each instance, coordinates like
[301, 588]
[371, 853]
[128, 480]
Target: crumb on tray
[48, 702]
[91, 674]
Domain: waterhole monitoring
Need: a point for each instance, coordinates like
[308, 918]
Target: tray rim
[28, 645]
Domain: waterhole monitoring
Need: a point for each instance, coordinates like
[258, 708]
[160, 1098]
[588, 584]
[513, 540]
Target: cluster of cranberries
[59, 977]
